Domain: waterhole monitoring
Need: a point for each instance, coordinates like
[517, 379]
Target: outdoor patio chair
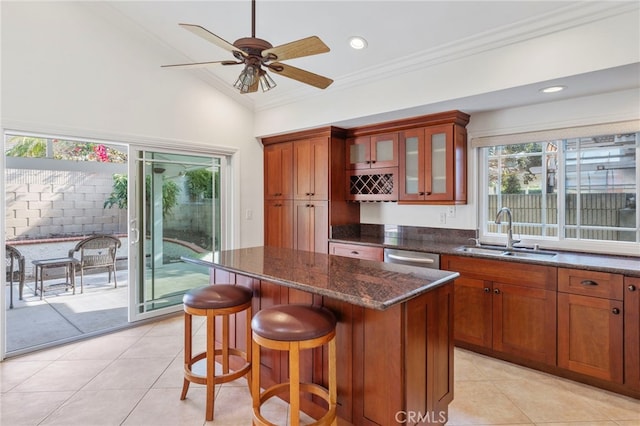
[97, 251]
[15, 270]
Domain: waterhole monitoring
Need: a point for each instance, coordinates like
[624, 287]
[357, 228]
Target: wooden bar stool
[294, 328]
[213, 301]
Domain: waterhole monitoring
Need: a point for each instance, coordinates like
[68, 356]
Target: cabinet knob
[632, 287]
[354, 252]
[615, 311]
[420, 193]
[367, 162]
[496, 290]
[486, 289]
[588, 283]
[428, 193]
[373, 162]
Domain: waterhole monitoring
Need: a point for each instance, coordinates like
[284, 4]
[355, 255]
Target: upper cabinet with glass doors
[372, 152]
[433, 165]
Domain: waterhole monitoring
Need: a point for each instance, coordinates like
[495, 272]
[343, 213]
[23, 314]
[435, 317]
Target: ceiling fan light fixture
[266, 82]
[246, 79]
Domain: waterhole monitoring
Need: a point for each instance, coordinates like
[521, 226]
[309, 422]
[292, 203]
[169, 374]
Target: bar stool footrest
[283, 388]
[219, 378]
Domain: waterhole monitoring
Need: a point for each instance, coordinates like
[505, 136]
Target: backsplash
[402, 232]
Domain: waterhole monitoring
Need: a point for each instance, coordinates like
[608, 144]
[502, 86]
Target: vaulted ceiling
[401, 35]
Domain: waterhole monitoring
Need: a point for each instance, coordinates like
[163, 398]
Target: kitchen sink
[494, 251]
[503, 252]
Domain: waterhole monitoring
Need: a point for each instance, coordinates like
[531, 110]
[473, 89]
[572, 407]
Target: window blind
[616, 128]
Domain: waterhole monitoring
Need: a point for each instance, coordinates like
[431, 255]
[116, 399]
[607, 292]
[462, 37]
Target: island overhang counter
[394, 332]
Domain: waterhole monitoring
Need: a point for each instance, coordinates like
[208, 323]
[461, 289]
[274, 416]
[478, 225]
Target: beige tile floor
[134, 377]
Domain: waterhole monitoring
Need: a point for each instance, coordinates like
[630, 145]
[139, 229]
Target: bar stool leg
[255, 374]
[225, 344]
[294, 383]
[211, 364]
[187, 352]
[333, 380]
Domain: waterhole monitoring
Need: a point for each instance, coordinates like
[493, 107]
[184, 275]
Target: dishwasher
[412, 258]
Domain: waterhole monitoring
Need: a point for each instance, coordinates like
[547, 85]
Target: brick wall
[51, 203]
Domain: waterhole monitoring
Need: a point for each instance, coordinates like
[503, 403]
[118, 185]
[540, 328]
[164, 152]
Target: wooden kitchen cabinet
[304, 188]
[310, 171]
[376, 151]
[357, 251]
[632, 332]
[310, 226]
[433, 164]
[278, 217]
[505, 307]
[278, 171]
[590, 323]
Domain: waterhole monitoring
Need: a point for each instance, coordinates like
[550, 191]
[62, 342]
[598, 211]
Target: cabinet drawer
[516, 273]
[591, 283]
[357, 251]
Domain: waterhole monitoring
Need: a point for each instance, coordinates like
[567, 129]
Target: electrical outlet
[443, 217]
[451, 211]
[248, 214]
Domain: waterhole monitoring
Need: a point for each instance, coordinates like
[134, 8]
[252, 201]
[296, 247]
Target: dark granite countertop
[366, 283]
[438, 242]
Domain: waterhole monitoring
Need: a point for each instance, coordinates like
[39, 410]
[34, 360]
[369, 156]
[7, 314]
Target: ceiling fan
[257, 55]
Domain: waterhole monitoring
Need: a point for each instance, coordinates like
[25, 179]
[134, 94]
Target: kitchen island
[394, 333]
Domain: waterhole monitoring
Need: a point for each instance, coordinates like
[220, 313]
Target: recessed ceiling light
[358, 42]
[553, 89]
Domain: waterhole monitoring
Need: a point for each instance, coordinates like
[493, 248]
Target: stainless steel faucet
[498, 221]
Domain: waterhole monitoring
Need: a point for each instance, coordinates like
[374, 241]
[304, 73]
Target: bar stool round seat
[294, 328]
[218, 300]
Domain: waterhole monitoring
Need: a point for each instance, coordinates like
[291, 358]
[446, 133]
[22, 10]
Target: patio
[62, 316]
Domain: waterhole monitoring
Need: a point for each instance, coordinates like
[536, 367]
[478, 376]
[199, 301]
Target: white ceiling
[400, 34]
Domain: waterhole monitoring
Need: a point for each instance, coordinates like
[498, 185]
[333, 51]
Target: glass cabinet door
[439, 163]
[358, 153]
[384, 150]
[412, 170]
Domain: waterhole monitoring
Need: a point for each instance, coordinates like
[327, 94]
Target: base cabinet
[505, 307]
[590, 323]
[632, 333]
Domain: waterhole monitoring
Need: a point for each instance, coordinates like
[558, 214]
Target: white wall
[69, 71]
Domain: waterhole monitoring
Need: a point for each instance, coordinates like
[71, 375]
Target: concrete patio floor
[61, 315]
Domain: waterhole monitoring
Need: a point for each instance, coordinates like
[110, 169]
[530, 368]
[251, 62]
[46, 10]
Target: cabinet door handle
[632, 287]
[496, 290]
[354, 252]
[428, 193]
[486, 290]
[588, 283]
[615, 311]
[420, 193]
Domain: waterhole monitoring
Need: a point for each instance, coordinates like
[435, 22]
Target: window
[578, 192]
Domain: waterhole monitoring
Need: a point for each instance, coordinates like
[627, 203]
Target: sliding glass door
[175, 211]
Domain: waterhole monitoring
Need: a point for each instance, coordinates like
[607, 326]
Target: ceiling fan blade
[296, 49]
[211, 37]
[200, 64]
[300, 75]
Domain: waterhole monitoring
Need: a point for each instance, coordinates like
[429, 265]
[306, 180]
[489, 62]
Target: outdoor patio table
[67, 262]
